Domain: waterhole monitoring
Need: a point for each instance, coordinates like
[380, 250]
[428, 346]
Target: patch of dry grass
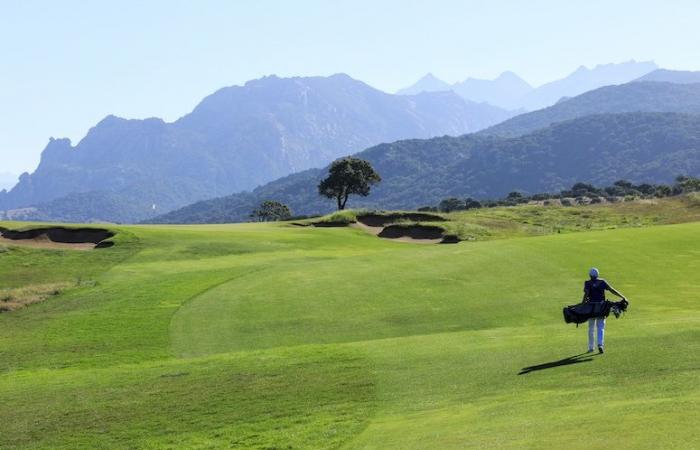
[17, 298]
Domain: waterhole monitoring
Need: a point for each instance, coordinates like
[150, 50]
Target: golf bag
[583, 311]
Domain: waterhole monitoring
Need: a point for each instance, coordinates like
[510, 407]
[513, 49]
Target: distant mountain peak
[427, 83]
[111, 119]
[503, 91]
[510, 75]
[430, 77]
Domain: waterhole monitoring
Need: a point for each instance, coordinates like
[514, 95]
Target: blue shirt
[595, 288]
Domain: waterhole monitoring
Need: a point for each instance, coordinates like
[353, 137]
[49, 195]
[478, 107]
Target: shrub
[451, 204]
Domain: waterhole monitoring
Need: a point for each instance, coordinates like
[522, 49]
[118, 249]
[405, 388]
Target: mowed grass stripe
[294, 399]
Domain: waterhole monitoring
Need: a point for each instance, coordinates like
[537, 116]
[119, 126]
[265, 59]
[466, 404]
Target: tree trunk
[340, 204]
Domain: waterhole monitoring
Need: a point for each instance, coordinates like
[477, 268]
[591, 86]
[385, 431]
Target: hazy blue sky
[64, 65]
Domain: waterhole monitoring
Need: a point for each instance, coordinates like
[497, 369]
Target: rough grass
[345, 217]
[538, 220]
[14, 299]
[270, 336]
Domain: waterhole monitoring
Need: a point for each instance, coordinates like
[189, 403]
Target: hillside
[643, 147]
[672, 76]
[235, 139]
[630, 97]
[262, 336]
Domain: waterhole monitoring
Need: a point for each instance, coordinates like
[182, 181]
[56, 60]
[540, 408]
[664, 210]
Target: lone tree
[271, 210]
[348, 176]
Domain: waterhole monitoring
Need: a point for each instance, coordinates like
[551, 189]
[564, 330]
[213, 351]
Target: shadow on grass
[576, 359]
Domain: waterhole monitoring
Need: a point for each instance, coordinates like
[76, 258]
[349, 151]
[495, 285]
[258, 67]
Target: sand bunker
[425, 233]
[386, 226]
[58, 238]
[422, 234]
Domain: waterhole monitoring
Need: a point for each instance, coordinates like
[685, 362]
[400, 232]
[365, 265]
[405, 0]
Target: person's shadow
[576, 359]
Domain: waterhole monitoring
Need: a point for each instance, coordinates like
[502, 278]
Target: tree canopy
[348, 176]
[271, 210]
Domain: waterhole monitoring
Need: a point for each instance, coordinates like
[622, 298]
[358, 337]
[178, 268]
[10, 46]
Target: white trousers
[592, 324]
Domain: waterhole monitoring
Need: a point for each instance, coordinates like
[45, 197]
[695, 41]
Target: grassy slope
[533, 220]
[268, 336]
[537, 220]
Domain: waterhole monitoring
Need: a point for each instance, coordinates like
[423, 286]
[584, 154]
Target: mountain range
[235, 139]
[258, 134]
[504, 91]
[600, 149]
[631, 97]
[511, 92]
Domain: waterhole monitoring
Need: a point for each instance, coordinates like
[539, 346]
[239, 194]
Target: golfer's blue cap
[593, 272]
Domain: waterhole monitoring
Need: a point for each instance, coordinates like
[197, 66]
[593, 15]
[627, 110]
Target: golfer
[594, 292]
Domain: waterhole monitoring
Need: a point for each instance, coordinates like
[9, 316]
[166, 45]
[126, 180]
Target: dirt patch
[380, 220]
[58, 237]
[17, 298]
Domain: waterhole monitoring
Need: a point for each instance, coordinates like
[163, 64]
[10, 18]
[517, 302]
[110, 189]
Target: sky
[66, 65]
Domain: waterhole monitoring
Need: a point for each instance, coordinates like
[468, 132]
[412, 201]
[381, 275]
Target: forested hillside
[600, 149]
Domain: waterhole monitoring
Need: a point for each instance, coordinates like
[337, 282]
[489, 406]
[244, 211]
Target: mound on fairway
[272, 336]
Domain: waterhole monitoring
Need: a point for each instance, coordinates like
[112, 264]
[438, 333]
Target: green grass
[274, 336]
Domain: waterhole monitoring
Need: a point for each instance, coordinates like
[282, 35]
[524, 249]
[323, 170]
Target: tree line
[576, 194]
[354, 176]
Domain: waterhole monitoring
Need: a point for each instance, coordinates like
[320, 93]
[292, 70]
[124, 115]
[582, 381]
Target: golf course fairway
[271, 336]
